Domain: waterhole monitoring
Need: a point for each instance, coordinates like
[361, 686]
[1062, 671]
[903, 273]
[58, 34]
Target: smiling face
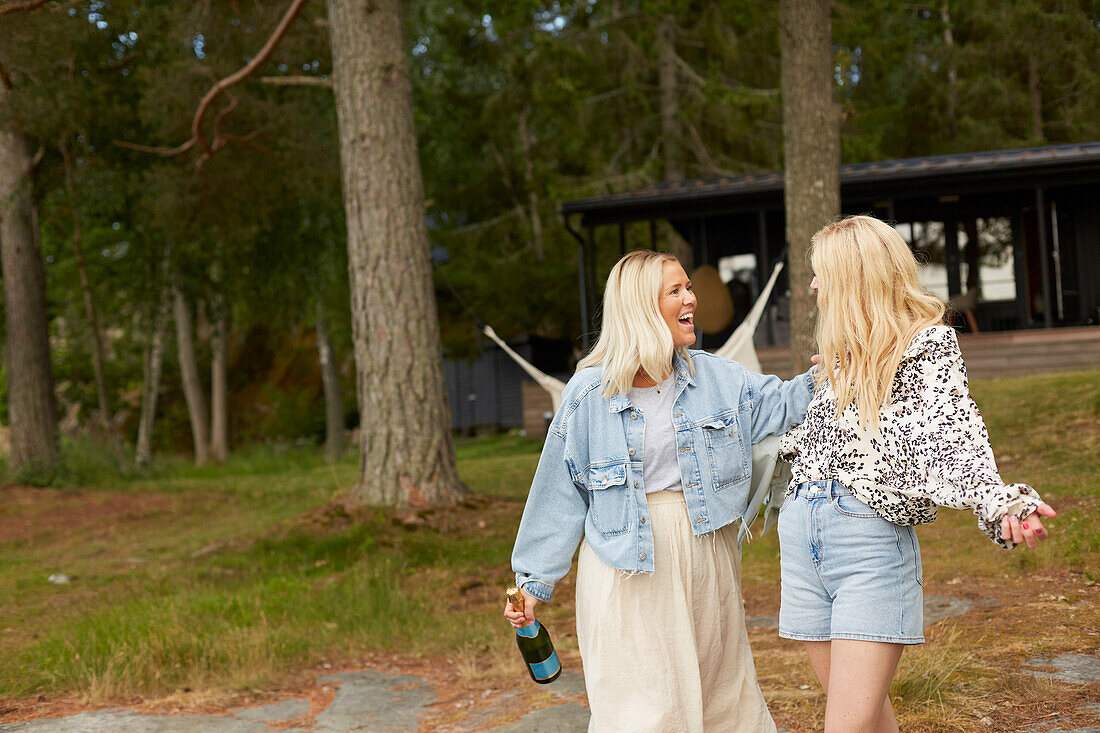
[677, 304]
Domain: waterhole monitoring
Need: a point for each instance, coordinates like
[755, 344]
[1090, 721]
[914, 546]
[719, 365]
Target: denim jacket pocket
[610, 507]
[729, 461]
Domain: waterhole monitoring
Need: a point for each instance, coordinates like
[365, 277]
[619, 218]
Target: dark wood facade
[1035, 214]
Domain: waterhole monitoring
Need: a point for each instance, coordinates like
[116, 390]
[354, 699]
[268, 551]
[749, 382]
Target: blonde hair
[633, 335]
[870, 307]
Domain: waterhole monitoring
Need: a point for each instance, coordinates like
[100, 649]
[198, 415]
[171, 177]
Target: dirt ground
[1014, 618]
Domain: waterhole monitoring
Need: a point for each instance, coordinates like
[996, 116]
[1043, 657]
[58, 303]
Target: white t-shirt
[660, 466]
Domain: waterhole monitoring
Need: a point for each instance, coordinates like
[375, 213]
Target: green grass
[239, 576]
[233, 576]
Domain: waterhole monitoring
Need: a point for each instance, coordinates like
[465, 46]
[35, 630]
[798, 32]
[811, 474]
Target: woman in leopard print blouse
[891, 434]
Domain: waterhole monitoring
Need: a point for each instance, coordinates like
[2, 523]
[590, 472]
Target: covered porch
[1011, 238]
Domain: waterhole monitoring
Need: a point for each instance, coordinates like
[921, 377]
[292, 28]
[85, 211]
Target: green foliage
[86, 462]
[922, 80]
[518, 106]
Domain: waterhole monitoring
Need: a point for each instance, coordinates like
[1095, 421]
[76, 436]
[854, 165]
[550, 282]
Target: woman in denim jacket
[648, 459]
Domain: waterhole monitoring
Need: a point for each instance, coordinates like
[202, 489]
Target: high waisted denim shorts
[847, 573]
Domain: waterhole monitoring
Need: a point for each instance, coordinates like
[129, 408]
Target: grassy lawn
[251, 575]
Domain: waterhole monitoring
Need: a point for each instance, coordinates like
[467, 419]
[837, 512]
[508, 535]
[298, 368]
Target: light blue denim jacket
[589, 479]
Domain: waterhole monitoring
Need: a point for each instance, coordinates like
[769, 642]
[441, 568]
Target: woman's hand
[520, 619]
[1031, 530]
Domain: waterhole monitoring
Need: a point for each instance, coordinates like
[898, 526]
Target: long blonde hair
[633, 335]
[870, 305]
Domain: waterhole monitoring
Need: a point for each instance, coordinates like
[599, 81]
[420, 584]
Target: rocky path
[383, 702]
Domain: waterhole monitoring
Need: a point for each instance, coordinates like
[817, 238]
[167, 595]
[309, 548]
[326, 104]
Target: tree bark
[219, 391]
[668, 90]
[406, 449]
[330, 383]
[153, 363]
[811, 152]
[189, 376]
[32, 408]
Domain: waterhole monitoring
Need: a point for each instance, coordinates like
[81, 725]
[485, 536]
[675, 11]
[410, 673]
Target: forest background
[518, 107]
[196, 270]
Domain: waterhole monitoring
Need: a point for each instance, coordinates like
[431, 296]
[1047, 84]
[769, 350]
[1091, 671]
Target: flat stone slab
[1078, 669]
[374, 701]
[571, 717]
[285, 710]
[937, 608]
[569, 682]
[112, 722]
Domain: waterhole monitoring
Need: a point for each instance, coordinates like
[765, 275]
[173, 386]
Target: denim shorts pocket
[850, 506]
[729, 460]
[916, 552]
[610, 507]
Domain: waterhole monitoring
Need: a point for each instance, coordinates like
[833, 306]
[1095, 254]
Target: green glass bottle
[535, 646]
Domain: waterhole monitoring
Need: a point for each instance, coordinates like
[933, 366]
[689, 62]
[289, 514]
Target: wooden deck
[1001, 354]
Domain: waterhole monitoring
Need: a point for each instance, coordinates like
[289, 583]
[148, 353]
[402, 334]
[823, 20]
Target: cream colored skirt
[668, 651]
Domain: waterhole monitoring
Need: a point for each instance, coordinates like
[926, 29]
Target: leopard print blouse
[931, 447]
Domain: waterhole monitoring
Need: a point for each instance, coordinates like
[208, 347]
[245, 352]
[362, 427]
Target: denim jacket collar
[620, 402]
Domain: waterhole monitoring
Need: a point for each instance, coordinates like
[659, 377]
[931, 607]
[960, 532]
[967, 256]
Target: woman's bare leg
[818, 652]
[856, 676]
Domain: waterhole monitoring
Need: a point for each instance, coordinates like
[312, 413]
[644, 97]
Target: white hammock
[554, 386]
[739, 346]
[769, 476]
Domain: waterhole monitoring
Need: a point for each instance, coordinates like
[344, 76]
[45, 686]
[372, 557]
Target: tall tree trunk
[189, 376]
[330, 383]
[952, 73]
[150, 387]
[406, 449]
[811, 152]
[1035, 97]
[668, 91]
[219, 392]
[528, 144]
[98, 350]
[32, 408]
[152, 365]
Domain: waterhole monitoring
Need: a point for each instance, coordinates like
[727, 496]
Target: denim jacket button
[631, 451]
[633, 416]
[641, 556]
[635, 484]
[643, 520]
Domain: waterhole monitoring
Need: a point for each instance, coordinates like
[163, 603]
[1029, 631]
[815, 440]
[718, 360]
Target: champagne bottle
[535, 646]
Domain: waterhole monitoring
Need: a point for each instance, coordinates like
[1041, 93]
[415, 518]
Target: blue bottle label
[546, 670]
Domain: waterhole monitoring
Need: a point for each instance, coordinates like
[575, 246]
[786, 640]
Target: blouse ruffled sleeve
[961, 469]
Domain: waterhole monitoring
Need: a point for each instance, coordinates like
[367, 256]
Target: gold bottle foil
[516, 598]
